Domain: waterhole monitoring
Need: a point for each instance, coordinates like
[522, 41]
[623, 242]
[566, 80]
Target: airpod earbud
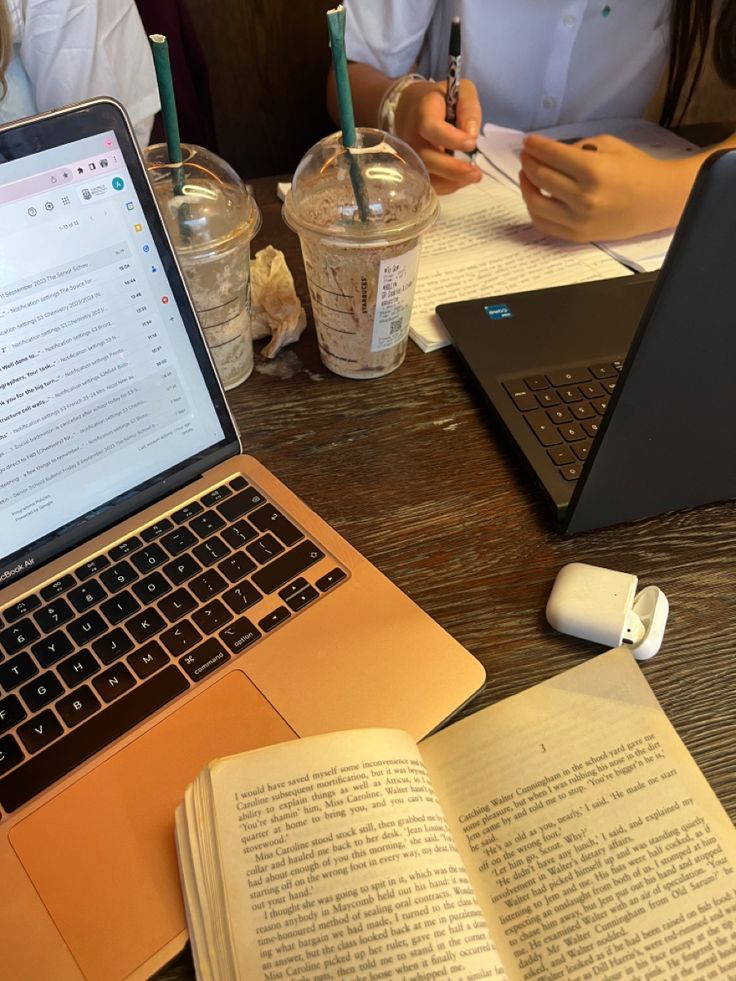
[651, 608]
[634, 629]
[602, 605]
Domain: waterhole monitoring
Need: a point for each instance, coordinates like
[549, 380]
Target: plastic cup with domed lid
[211, 219]
[361, 268]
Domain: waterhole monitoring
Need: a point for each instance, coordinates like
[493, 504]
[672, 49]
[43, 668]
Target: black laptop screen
[102, 392]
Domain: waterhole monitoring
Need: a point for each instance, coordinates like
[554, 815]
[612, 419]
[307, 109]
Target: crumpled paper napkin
[275, 308]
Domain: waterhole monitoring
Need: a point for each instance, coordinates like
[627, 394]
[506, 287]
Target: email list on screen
[95, 367]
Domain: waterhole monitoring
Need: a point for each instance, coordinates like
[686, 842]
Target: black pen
[453, 75]
[576, 139]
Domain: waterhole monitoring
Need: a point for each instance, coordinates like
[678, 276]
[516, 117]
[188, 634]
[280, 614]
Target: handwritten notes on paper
[484, 244]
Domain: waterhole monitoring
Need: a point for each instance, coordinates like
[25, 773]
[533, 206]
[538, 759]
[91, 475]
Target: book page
[484, 244]
[594, 844]
[337, 862]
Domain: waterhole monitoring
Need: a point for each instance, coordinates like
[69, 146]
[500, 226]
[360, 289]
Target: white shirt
[68, 50]
[536, 63]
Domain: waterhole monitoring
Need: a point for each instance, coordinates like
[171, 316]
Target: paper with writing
[339, 857]
[564, 833]
[593, 842]
[484, 244]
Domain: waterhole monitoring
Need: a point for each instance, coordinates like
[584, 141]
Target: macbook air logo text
[12, 573]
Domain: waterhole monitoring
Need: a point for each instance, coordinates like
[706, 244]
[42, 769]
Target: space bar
[48, 766]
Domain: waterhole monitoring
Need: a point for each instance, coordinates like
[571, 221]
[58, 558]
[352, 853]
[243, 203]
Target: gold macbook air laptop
[164, 600]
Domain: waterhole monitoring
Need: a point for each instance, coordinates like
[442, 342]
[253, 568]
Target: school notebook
[164, 599]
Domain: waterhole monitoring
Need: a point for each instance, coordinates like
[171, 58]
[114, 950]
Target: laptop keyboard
[563, 409]
[94, 653]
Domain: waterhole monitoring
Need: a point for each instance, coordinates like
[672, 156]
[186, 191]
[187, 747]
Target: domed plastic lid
[203, 201]
[393, 183]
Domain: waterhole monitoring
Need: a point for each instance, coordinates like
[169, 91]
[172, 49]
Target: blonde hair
[6, 45]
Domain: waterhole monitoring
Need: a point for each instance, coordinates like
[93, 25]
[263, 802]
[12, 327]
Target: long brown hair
[691, 22]
[6, 45]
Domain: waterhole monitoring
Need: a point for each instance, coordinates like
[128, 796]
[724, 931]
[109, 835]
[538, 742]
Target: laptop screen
[101, 389]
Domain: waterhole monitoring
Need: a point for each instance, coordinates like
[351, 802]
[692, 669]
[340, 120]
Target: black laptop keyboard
[96, 652]
[563, 409]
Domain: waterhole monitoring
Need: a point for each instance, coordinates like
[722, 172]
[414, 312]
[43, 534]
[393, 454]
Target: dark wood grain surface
[267, 62]
[410, 470]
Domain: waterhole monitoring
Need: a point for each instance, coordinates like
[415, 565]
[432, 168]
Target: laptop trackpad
[102, 853]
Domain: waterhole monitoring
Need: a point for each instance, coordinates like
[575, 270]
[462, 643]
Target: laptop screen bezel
[52, 130]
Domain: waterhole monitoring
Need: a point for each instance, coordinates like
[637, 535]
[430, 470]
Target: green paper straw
[336, 27]
[160, 51]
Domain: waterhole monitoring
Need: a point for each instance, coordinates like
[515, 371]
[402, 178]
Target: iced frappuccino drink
[211, 219]
[361, 271]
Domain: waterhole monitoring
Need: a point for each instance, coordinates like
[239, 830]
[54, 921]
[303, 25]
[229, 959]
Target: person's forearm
[367, 85]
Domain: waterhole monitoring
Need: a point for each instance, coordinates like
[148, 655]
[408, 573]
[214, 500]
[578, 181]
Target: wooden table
[410, 469]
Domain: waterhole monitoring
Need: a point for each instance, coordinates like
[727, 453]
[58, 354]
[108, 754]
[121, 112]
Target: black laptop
[621, 394]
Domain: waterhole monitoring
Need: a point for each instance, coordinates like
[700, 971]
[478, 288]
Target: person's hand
[420, 121]
[614, 191]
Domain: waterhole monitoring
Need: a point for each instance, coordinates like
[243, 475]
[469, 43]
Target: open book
[562, 833]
